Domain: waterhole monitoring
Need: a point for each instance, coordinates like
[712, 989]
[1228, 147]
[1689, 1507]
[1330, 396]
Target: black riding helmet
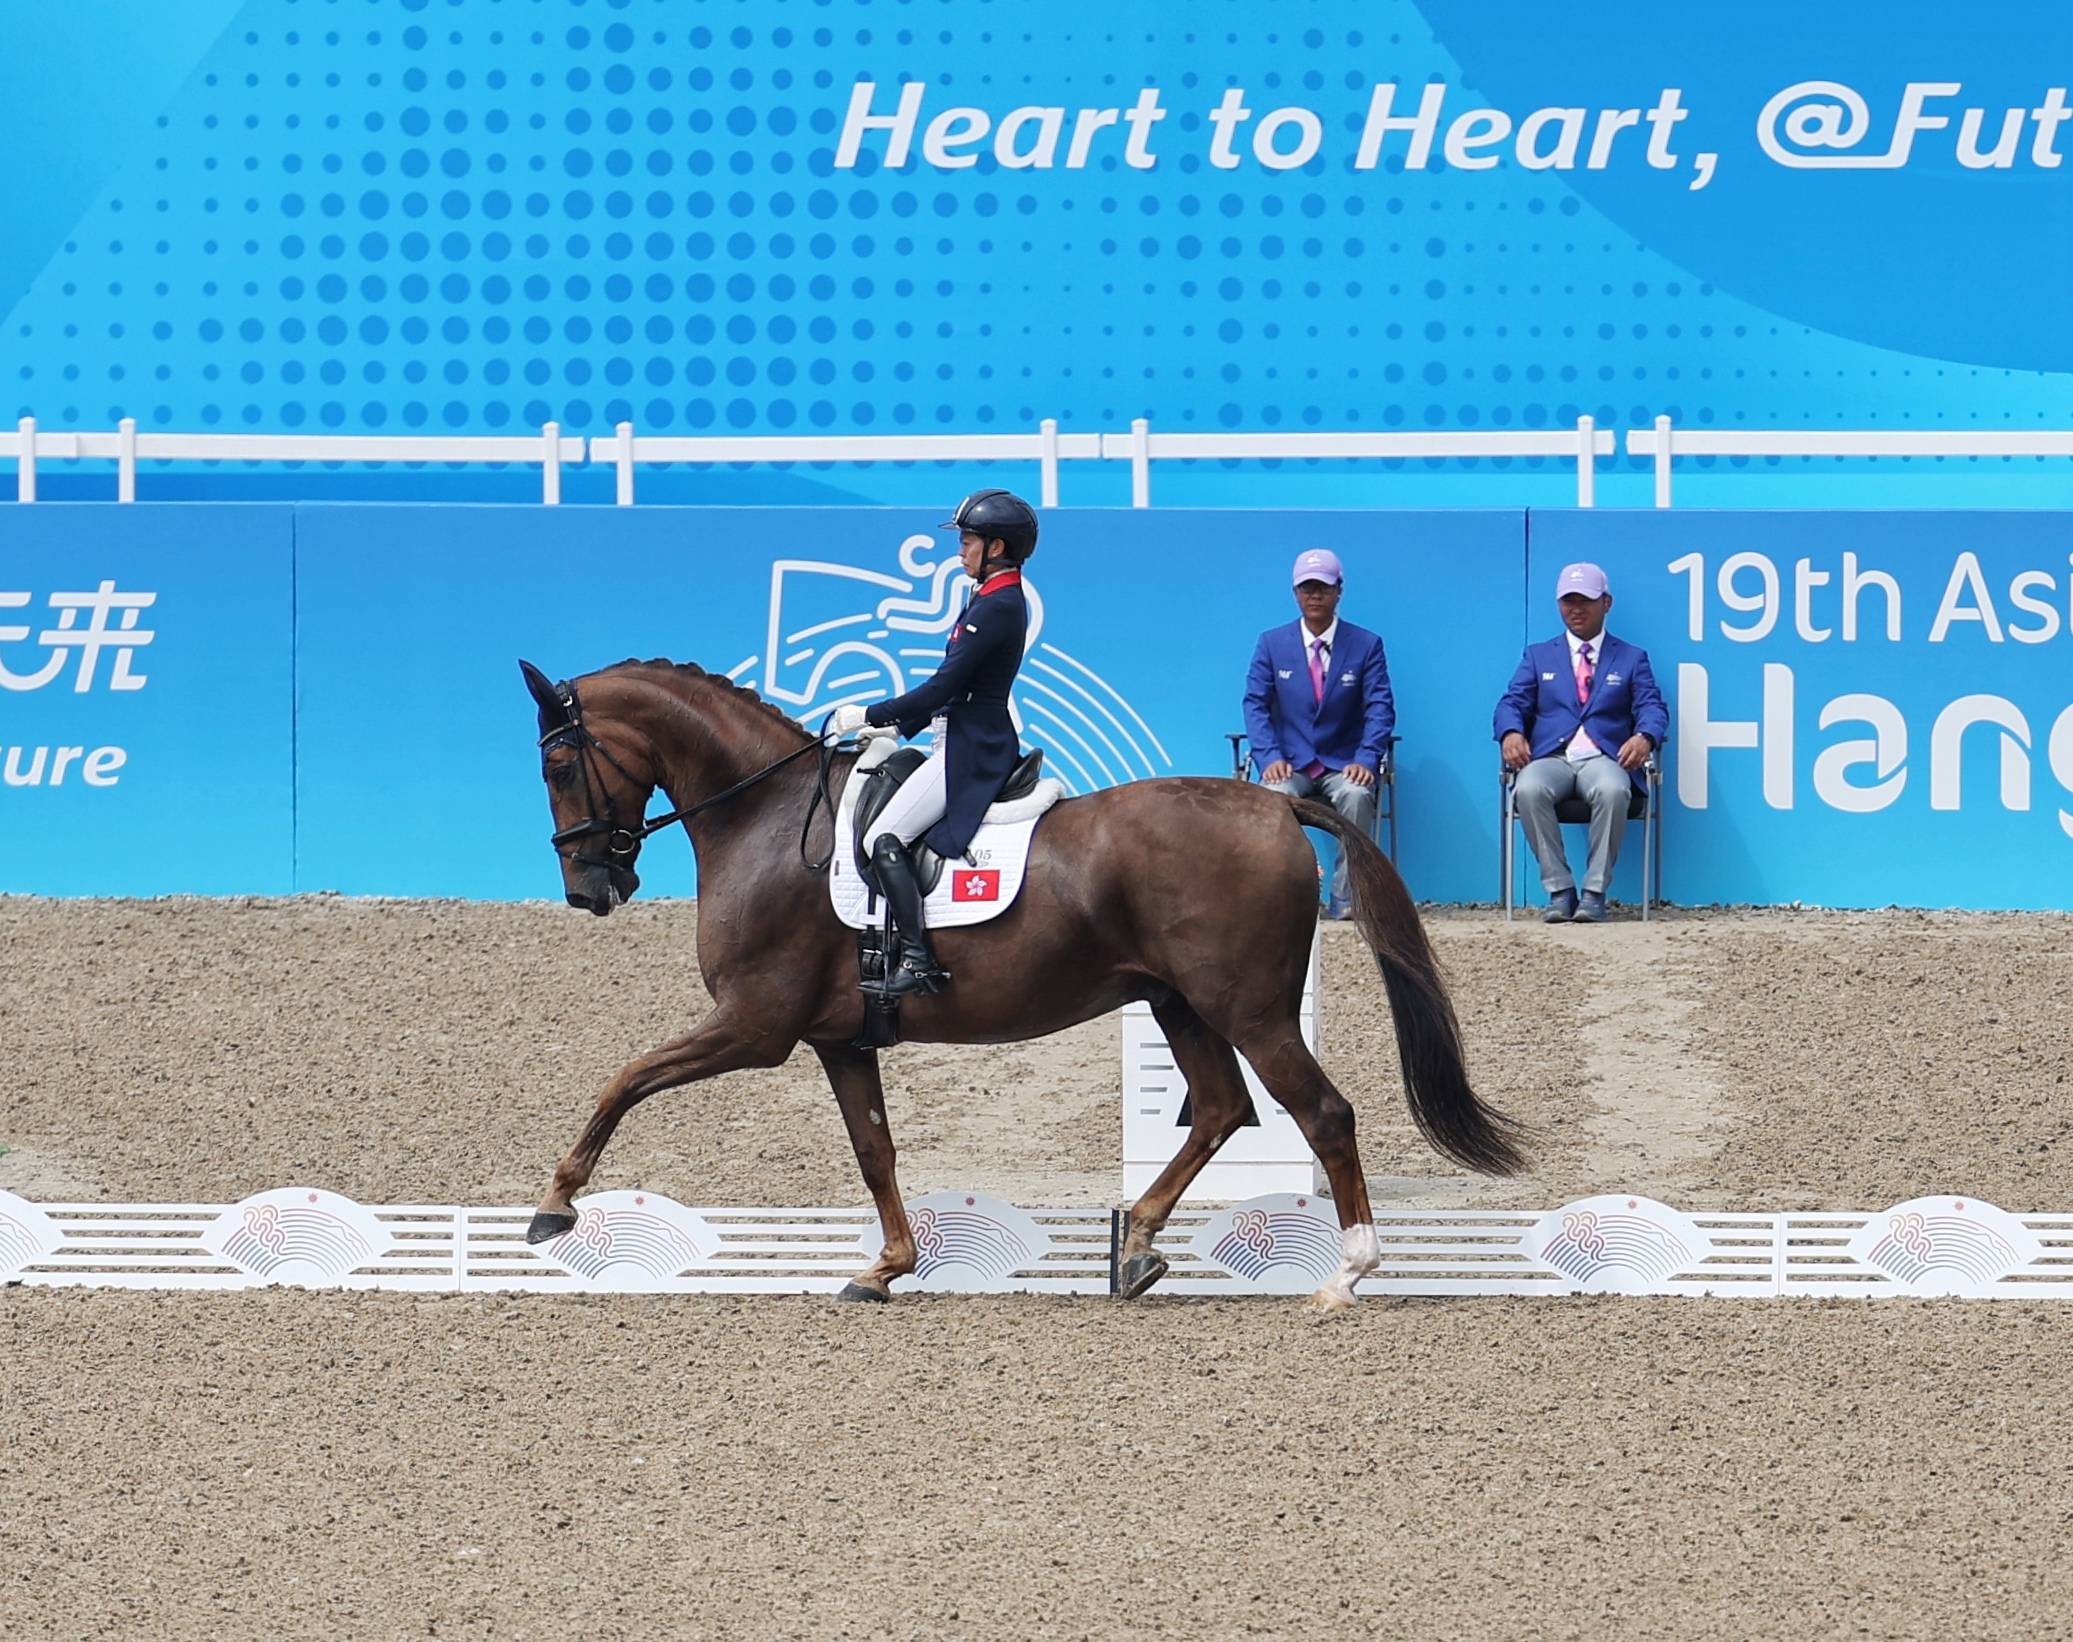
[998, 514]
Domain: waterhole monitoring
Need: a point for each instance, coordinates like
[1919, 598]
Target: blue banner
[834, 216]
[146, 708]
[1867, 708]
[417, 773]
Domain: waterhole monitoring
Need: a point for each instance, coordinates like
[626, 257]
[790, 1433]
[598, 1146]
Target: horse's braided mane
[691, 669]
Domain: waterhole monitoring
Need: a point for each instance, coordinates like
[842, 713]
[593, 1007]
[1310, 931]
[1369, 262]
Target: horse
[1195, 895]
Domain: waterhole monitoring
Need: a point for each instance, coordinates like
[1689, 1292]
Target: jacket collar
[998, 580]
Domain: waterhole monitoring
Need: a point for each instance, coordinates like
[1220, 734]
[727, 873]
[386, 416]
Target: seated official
[1317, 705]
[1579, 720]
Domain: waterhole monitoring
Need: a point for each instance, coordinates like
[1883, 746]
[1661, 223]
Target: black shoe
[1561, 907]
[1591, 909]
[917, 971]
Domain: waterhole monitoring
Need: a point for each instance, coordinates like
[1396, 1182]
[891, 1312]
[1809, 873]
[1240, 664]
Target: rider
[975, 747]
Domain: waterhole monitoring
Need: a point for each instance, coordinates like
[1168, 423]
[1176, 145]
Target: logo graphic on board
[650, 1235]
[1288, 1237]
[1946, 1245]
[26, 1235]
[839, 634]
[983, 1235]
[297, 1235]
[1615, 1243]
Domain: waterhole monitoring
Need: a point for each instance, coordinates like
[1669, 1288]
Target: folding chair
[1243, 769]
[1646, 806]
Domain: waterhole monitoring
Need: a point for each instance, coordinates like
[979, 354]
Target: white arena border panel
[637, 1242]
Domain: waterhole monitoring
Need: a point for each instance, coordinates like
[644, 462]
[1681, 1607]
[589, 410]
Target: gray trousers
[1602, 784]
[1357, 804]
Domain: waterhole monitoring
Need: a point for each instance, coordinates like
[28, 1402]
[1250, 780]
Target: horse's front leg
[854, 1074]
[717, 1044]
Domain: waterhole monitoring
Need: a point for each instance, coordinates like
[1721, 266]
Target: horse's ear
[542, 690]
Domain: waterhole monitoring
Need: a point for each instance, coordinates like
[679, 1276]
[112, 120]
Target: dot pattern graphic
[383, 216]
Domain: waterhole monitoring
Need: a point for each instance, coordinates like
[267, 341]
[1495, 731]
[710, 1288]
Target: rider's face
[971, 552]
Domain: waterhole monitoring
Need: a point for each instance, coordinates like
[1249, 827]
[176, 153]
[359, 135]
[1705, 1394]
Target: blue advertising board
[1866, 708]
[416, 770]
[146, 719]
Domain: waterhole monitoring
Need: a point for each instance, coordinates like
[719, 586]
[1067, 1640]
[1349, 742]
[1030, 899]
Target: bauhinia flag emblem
[976, 886]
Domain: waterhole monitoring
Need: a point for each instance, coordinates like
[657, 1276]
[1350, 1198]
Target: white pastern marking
[1361, 1255]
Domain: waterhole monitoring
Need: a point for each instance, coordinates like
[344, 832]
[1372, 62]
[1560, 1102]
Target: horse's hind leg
[1220, 1104]
[1293, 1077]
[854, 1074]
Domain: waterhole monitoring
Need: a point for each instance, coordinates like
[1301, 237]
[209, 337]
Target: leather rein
[623, 843]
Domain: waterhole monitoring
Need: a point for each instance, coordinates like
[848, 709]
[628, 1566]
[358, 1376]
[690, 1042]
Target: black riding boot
[917, 970]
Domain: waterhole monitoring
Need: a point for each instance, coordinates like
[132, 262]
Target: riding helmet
[998, 514]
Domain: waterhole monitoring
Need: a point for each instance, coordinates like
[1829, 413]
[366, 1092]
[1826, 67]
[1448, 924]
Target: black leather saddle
[880, 785]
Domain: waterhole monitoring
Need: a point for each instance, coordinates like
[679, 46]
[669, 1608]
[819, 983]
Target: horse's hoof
[860, 1291]
[545, 1227]
[1329, 1301]
[1139, 1273]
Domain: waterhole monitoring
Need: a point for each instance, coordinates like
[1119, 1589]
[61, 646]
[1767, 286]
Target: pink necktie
[1583, 673]
[1317, 668]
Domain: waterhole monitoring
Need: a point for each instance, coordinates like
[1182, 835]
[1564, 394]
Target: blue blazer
[1540, 702]
[1284, 718]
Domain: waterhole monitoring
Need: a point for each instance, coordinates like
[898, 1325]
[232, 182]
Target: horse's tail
[1428, 1036]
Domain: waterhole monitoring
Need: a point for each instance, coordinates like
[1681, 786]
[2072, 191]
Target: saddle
[883, 780]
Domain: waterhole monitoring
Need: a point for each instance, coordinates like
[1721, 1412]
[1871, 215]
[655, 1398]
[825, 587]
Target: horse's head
[596, 793]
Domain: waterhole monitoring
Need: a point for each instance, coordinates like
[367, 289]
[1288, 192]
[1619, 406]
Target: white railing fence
[1047, 447]
[1140, 447]
[626, 449]
[127, 447]
[1664, 443]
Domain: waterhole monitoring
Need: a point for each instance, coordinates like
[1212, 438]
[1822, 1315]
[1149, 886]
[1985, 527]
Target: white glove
[850, 721]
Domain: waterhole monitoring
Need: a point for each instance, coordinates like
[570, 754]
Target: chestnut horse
[1195, 895]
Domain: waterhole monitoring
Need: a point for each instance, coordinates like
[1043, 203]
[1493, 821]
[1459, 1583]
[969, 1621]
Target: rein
[624, 843]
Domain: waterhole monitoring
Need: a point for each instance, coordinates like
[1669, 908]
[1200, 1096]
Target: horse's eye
[561, 774]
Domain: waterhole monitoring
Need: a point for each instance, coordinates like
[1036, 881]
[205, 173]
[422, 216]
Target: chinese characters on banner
[79, 628]
[69, 637]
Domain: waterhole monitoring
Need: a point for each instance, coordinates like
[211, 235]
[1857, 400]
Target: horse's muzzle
[601, 891]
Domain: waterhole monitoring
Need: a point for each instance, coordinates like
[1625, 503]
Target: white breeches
[920, 801]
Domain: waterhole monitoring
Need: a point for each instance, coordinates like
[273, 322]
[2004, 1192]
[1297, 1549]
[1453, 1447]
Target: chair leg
[1656, 809]
[1505, 852]
[1648, 852]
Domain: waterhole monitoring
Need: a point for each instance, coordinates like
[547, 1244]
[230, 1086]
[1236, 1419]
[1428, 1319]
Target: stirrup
[915, 972]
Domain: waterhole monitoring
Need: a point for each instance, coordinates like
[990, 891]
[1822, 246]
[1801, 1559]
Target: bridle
[623, 843]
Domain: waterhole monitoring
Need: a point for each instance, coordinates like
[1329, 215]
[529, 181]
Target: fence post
[1586, 462]
[622, 459]
[25, 464]
[550, 465]
[126, 460]
[1662, 461]
[1140, 463]
[1047, 430]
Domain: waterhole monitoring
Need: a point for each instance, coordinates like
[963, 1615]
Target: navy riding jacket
[980, 662]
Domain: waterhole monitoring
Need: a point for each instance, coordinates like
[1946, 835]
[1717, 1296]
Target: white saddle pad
[965, 893]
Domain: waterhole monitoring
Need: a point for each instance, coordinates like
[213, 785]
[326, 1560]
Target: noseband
[623, 843]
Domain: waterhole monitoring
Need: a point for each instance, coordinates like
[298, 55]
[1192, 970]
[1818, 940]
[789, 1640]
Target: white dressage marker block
[1271, 1157]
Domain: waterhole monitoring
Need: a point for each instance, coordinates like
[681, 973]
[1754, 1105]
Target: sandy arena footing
[291, 1464]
